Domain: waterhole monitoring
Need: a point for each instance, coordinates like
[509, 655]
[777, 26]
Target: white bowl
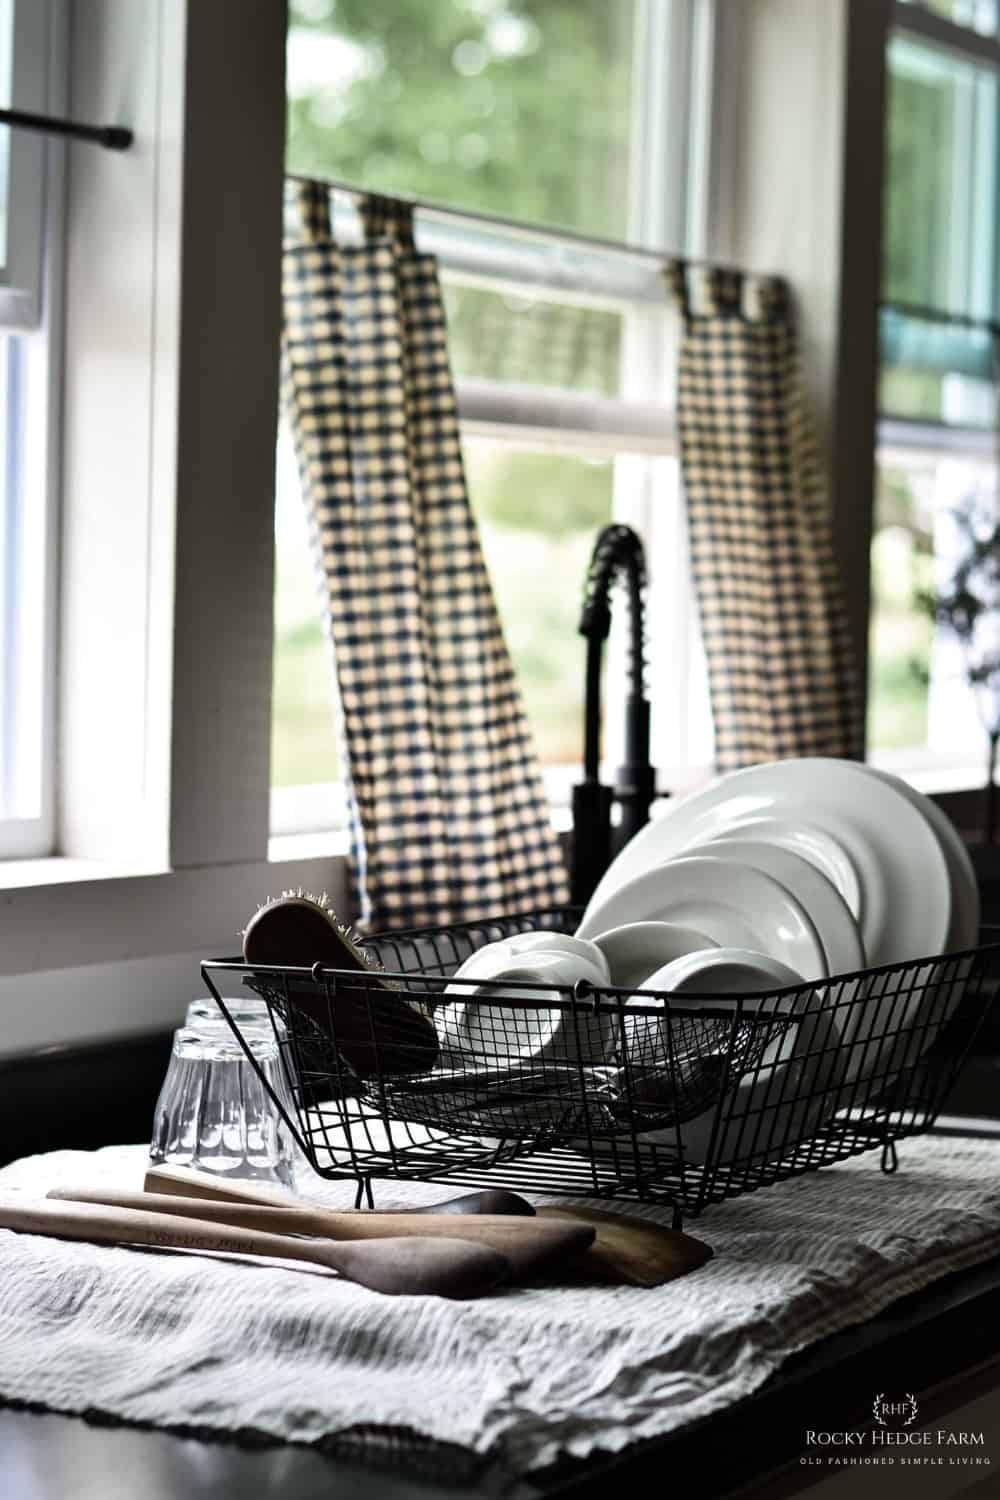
[495, 958]
[637, 949]
[785, 1095]
[532, 1028]
[706, 975]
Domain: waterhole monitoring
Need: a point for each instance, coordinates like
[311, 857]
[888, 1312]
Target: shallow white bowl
[532, 1028]
[637, 949]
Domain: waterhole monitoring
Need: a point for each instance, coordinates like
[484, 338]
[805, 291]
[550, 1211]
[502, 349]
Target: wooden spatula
[629, 1251]
[412, 1267]
[188, 1182]
[529, 1246]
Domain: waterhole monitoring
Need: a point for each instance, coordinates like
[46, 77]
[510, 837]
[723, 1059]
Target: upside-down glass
[214, 1112]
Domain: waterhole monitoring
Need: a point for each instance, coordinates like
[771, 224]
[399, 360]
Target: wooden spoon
[188, 1182]
[411, 1267]
[529, 1246]
[632, 1251]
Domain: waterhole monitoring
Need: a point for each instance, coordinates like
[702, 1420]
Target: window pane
[6, 78]
[940, 183]
[526, 340]
[935, 396]
[521, 107]
[538, 515]
[918, 693]
[303, 738]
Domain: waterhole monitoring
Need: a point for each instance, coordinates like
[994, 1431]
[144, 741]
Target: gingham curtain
[449, 816]
[782, 675]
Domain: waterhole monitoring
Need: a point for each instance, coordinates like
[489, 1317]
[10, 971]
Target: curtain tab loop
[387, 218]
[313, 200]
[676, 278]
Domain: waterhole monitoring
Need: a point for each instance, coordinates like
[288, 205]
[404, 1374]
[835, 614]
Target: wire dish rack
[613, 1093]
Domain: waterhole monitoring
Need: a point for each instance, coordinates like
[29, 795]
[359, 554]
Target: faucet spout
[618, 553]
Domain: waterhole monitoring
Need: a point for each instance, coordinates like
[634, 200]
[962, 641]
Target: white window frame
[902, 438]
[31, 311]
[670, 131]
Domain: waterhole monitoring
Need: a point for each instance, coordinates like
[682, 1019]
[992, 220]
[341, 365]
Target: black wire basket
[612, 1093]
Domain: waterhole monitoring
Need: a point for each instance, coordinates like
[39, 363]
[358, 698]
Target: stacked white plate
[825, 866]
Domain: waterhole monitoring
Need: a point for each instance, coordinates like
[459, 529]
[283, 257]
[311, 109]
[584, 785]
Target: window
[578, 121]
[938, 395]
[29, 197]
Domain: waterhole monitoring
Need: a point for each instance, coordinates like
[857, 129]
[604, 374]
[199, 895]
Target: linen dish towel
[527, 1375]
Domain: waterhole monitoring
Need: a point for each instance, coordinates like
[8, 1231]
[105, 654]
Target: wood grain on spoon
[414, 1267]
[188, 1182]
[529, 1246]
[632, 1251]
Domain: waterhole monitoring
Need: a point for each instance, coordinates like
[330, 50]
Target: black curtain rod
[518, 226]
[114, 137]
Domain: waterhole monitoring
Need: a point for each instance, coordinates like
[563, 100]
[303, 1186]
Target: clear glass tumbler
[214, 1113]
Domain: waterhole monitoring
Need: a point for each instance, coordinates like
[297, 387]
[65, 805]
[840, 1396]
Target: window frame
[31, 313]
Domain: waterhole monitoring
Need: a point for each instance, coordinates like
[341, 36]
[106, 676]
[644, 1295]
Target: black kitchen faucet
[618, 553]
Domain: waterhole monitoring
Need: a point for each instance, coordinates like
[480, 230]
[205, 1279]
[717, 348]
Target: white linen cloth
[193, 1341]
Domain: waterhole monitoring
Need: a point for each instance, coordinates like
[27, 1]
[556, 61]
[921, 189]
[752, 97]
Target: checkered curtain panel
[449, 815]
[782, 674]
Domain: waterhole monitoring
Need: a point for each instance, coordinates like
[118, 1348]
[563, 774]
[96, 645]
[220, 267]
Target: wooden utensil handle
[188, 1183]
[499, 1231]
[129, 1226]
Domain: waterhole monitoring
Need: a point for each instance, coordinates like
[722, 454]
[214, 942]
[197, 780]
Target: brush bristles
[352, 939]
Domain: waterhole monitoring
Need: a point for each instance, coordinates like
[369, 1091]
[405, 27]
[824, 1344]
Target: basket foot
[890, 1158]
[364, 1197]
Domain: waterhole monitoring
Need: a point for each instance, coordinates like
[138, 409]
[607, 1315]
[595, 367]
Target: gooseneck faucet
[618, 553]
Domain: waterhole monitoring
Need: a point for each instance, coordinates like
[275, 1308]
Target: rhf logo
[894, 1413]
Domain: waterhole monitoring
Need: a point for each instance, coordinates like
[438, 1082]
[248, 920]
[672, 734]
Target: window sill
[59, 870]
[333, 843]
[69, 913]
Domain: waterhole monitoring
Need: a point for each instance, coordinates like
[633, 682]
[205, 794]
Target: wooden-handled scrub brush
[370, 1023]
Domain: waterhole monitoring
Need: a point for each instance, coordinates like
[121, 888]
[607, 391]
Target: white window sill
[333, 843]
[59, 870]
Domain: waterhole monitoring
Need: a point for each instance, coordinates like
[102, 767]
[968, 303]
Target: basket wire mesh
[616, 1093]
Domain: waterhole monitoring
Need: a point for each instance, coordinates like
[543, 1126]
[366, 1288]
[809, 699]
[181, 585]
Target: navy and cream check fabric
[449, 815]
[782, 674]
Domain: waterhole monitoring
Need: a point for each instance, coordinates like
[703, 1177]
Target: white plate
[905, 888]
[828, 912]
[737, 906]
[637, 949]
[817, 848]
[935, 1005]
[965, 914]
